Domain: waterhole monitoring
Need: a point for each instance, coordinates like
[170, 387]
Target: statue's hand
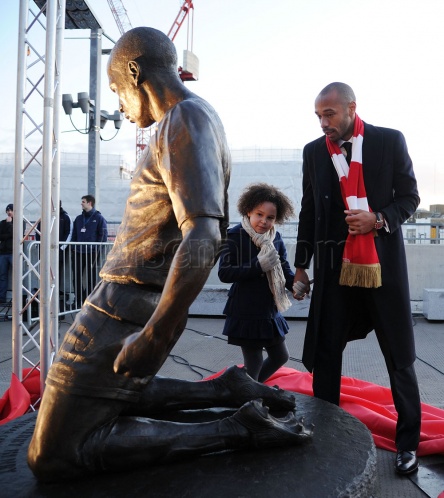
[134, 359]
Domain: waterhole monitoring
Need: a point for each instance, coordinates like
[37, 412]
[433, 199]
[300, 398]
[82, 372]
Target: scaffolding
[37, 155]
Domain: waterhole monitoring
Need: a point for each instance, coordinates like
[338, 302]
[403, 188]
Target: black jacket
[6, 229]
[250, 295]
[391, 189]
[89, 227]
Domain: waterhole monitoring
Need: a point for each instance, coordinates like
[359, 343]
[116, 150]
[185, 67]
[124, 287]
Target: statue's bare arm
[144, 352]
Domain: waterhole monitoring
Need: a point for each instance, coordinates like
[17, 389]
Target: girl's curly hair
[258, 193]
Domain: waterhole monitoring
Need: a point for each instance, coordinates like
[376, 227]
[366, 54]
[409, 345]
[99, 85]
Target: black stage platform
[339, 461]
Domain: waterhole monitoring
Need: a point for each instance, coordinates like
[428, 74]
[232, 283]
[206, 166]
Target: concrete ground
[203, 350]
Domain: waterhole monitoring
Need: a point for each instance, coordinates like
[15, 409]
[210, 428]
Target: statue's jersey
[183, 174]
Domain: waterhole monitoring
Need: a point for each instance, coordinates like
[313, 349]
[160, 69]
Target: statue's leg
[231, 389]
[131, 442]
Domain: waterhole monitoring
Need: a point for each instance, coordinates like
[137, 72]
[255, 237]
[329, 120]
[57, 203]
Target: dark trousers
[328, 363]
[85, 274]
[5, 265]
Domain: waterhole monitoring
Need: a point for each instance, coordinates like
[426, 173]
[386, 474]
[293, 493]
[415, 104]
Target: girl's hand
[269, 260]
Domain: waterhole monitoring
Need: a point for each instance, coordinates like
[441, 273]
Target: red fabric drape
[16, 400]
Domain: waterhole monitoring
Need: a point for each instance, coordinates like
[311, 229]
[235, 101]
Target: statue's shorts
[84, 363]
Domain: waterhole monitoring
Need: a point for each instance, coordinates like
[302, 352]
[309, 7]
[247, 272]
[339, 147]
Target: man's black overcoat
[391, 189]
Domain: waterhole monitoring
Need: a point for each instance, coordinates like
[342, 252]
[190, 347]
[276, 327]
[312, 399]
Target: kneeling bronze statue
[102, 402]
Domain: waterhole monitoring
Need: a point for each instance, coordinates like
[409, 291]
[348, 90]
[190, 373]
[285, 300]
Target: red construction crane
[183, 12]
[189, 71]
[120, 15]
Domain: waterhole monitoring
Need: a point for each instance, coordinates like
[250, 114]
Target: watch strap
[379, 221]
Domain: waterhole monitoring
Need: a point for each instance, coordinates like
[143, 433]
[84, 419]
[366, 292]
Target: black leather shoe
[406, 462]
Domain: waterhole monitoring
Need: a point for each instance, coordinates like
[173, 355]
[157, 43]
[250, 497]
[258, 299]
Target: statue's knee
[39, 464]
[49, 467]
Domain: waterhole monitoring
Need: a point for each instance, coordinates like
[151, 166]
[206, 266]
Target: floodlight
[67, 103]
[83, 101]
[118, 118]
[104, 116]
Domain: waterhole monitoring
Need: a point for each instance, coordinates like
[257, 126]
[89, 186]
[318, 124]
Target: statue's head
[141, 56]
[148, 46]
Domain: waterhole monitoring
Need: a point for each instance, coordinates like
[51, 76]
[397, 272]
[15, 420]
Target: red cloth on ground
[16, 400]
[372, 405]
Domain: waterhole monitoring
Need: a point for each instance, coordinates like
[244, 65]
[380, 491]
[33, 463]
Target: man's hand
[301, 285]
[359, 222]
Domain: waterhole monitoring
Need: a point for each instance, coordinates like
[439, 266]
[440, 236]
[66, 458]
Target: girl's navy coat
[250, 308]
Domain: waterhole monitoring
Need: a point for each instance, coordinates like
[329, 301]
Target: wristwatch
[379, 221]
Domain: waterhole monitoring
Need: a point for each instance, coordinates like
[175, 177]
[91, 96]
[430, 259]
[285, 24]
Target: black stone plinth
[340, 461]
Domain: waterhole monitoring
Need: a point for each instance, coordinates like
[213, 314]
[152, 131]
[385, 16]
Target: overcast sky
[262, 64]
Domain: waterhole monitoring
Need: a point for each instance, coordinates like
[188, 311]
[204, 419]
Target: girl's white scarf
[276, 278]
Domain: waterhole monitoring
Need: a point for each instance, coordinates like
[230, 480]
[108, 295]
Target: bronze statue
[102, 385]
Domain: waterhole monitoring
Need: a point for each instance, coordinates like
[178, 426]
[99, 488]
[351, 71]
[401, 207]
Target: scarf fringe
[353, 275]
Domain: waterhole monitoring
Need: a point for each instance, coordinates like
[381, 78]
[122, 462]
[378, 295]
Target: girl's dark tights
[259, 369]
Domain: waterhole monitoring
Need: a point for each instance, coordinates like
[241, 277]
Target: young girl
[254, 259]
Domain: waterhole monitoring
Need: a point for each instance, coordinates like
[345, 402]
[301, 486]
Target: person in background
[358, 189]
[254, 260]
[6, 238]
[89, 228]
[66, 227]
[65, 234]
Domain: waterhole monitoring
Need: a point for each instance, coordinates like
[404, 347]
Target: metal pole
[47, 276]
[17, 259]
[55, 178]
[94, 132]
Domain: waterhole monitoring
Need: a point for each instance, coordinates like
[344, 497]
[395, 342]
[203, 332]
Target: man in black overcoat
[339, 313]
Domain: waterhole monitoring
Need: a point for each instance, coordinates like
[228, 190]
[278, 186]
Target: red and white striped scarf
[360, 262]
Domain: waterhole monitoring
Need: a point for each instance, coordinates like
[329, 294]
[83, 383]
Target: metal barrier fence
[413, 233]
[79, 268]
[80, 265]
[288, 230]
